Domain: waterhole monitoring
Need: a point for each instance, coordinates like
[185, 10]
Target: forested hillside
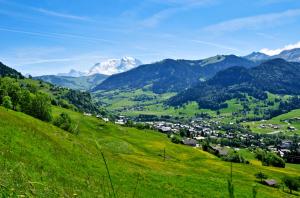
[25, 94]
[7, 71]
[276, 76]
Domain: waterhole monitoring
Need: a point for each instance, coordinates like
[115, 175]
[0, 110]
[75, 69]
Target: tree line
[19, 96]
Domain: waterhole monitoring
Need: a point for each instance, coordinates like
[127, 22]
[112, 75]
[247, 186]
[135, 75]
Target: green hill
[41, 160]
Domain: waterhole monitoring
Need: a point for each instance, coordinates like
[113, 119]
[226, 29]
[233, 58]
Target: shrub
[259, 154]
[261, 176]
[273, 160]
[175, 139]
[41, 107]
[292, 183]
[234, 157]
[7, 102]
[206, 145]
[269, 158]
[64, 122]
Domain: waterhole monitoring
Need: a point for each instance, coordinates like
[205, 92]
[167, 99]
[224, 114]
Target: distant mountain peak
[257, 56]
[291, 55]
[114, 66]
[72, 73]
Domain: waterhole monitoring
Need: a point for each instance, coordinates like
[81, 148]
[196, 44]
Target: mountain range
[233, 76]
[172, 75]
[160, 77]
[276, 76]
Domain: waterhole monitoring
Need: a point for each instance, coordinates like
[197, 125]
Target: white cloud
[254, 22]
[59, 14]
[46, 11]
[175, 6]
[155, 19]
[57, 35]
[272, 52]
[215, 45]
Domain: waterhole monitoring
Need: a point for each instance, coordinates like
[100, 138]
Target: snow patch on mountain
[114, 66]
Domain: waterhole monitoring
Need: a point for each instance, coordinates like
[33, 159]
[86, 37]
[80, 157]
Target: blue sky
[52, 36]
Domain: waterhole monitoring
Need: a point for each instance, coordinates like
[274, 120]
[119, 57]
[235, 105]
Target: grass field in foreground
[38, 159]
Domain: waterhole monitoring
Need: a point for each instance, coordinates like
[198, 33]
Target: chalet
[286, 144]
[120, 122]
[291, 128]
[106, 119]
[87, 114]
[220, 151]
[284, 152]
[199, 138]
[165, 129]
[189, 142]
[270, 182]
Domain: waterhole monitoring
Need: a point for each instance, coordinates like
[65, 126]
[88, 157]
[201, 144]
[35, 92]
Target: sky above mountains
[52, 36]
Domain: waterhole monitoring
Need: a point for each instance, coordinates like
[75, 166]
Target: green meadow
[41, 160]
[280, 121]
[136, 102]
[133, 103]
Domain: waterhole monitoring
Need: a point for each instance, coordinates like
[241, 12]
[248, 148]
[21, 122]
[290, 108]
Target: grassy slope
[41, 160]
[279, 121]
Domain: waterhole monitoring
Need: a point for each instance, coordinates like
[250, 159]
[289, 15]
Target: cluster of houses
[284, 148]
[199, 130]
[277, 127]
[291, 120]
[97, 116]
[271, 126]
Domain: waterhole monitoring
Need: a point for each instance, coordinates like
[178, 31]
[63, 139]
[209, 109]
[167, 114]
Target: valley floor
[41, 160]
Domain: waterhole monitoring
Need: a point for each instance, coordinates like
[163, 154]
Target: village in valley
[221, 138]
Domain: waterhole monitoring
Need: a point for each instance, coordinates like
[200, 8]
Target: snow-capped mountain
[114, 66]
[292, 55]
[72, 73]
